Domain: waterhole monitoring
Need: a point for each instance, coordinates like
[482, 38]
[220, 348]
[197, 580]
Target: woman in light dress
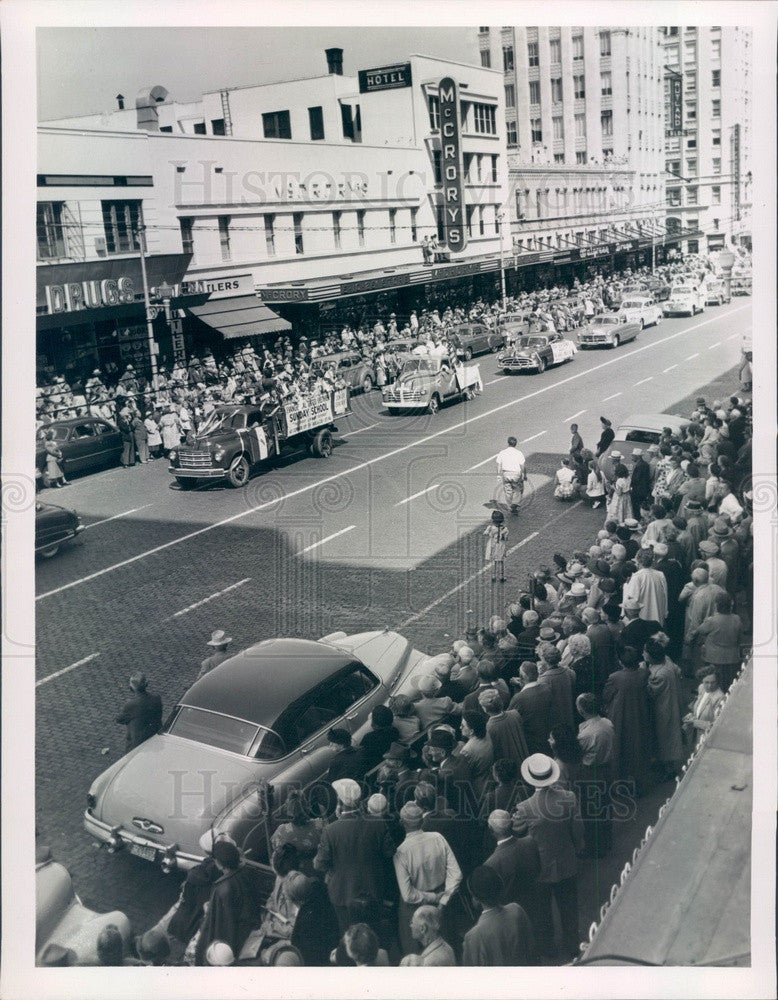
[620, 504]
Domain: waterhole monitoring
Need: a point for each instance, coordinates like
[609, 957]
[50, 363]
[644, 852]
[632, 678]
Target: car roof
[260, 682]
[653, 421]
[337, 356]
[72, 421]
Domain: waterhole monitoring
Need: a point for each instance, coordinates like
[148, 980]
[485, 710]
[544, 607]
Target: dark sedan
[474, 338]
[53, 526]
[85, 442]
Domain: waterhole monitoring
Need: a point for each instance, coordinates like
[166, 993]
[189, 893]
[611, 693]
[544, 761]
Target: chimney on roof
[146, 106]
[120, 101]
[334, 61]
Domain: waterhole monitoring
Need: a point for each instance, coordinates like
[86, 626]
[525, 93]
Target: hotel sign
[451, 166]
[675, 120]
[384, 78]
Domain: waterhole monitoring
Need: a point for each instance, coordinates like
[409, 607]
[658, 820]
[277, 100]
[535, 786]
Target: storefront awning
[243, 316]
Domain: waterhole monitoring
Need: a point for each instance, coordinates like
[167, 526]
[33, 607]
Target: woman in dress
[302, 831]
[595, 488]
[170, 429]
[54, 473]
[703, 708]
[620, 504]
[154, 437]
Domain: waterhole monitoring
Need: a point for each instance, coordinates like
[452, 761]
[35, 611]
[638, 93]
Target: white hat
[428, 684]
[636, 452]
[348, 791]
[219, 638]
[377, 804]
[219, 953]
[616, 454]
[540, 770]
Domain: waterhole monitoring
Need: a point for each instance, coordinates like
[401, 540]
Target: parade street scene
[394, 402]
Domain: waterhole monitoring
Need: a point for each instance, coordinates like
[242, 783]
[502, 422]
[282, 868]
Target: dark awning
[242, 316]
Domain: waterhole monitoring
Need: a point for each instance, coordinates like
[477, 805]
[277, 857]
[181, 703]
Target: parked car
[426, 383]
[716, 293]
[511, 327]
[53, 526]
[85, 442]
[684, 300]
[536, 352]
[357, 372]
[474, 338]
[643, 429]
[658, 288]
[402, 345]
[62, 919]
[240, 738]
[741, 284]
[609, 329]
[641, 309]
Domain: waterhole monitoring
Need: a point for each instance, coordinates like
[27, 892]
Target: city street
[388, 532]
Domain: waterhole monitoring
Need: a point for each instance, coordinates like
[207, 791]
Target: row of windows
[277, 124]
[484, 116]
[674, 166]
[122, 222]
[558, 125]
[579, 89]
[673, 196]
[477, 167]
[554, 51]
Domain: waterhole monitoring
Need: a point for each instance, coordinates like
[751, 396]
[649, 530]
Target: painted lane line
[105, 520]
[568, 419]
[323, 541]
[692, 356]
[66, 670]
[484, 569]
[498, 379]
[533, 437]
[643, 381]
[415, 495]
[472, 419]
[669, 369]
[736, 335]
[360, 431]
[712, 346]
[205, 600]
[607, 398]
[486, 461]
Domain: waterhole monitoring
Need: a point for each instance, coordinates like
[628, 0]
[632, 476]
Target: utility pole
[501, 218]
[151, 312]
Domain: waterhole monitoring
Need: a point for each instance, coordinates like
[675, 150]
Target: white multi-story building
[315, 195]
[585, 134]
[708, 138]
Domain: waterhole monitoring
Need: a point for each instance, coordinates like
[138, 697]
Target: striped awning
[242, 316]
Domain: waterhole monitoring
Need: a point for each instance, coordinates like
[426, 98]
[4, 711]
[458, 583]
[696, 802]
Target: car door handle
[305, 749]
[352, 716]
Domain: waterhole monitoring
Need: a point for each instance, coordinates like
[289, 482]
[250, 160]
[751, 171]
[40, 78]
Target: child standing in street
[496, 539]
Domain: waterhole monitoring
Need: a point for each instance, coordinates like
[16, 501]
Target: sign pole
[150, 312]
[501, 218]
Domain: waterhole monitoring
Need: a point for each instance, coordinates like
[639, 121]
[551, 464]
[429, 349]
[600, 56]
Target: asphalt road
[388, 532]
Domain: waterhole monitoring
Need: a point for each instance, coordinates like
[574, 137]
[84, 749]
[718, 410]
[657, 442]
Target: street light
[151, 312]
[500, 219]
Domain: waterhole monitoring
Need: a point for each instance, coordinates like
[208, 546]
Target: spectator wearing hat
[729, 551]
[699, 597]
[347, 761]
[606, 437]
[219, 642]
[533, 703]
[431, 708]
[649, 588]
[619, 505]
[625, 536]
[721, 634]
[635, 630]
[673, 573]
[426, 870]
[425, 928]
[487, 678]
[233, 908]
[351, 854]
[504, 728]
[717, 568]
[639, 480]
[696, 526]
[142, 713]
[554, 821]
[597, 739]
[219, 955]
[528, 636]
[405, 720]
[378, 738]
[503, 935]
[625, 702]
[560, 681]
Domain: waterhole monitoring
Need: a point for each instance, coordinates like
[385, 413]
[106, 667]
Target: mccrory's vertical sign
[451, 166]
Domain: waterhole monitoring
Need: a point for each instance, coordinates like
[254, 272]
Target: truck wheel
[367, 384]
[238, 474]
[321, 446]
[49, 552]
[187, 484]
[434, 404]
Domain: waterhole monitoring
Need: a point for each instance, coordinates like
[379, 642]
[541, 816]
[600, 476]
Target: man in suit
[142, 714]
[640, 481]
[636, 629]
[516, 860]
[351, 853]
[454, 772]
[347, 762]
[463, 832]
[533, 703]
[425, 928]
[560, 681]
[503, 935]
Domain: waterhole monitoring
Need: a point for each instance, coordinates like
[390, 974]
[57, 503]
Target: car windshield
[640, 435]
[222, 420]
[60, 433]
[214, 730]
[533, 342]
[633, 304]
[608, 321]
[681, 292]
[418, 365]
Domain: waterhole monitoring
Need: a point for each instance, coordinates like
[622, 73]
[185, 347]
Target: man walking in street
[142, 714]
[512, 473]
[219, 642]
[605, 438]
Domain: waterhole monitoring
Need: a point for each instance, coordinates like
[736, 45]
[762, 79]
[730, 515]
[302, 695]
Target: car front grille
[194, 458]
[408, 396]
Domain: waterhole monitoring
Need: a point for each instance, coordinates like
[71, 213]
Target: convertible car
[610, 329]
[536, 352]
[53, 526]
[240, 738]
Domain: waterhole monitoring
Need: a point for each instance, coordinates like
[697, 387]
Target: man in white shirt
[511, 469]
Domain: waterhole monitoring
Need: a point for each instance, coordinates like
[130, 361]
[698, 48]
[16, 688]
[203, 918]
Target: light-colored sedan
[608, 330]
[240, 739]
[641, 309]
[684, 300]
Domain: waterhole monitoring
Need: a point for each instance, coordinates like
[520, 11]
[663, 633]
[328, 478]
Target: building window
[532, 55]
[580, 126]
[555, 50]
[671, 32]
[578, 48]
[691, 165]
[511, 134]
[507, 57]
[436, 157]
[122, 220]
[674, 167]
[484, 119]
[536, 128]
[715, 109]
[392, 225]
[579, 87]
[351, 122]
[481, 226]
[470, 212]
[433, 102]
[361, 226]
[336, 229]
[673, 197]
[270, 235]
[606, 84]
[691, 143]
[580, 156]
[519, 210]
[224, 237]
[556, 90]
[276, 125]
[483, 31]
[606, 122]
[538, 204]
[605, 43]
[316, 123]
[414, 228]
[166, 128]
[715, 48]
[715, 78]
[559, 127]
[715, 137]
[691, 112]
[49, 228]
[716, 164]
[715, 192]
[199, 128]
[297, 222]
[607, 153]
[534, 92]
[690, 82]
[691, 196]
[559, 157]
[187, 239]
[486, 59]
[494, 169]
[217, 126]
[510, 96]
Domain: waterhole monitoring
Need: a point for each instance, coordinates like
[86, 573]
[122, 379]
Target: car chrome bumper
[405, 404]
[167, 854]
[197, 473]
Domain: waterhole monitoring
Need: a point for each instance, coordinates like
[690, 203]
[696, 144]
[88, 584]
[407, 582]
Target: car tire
[187, 484]
[49, 552]
[321, 446]
[367, 383]
[239, 471]
[506, 371]
[616, 340]
[468, 354]
[541, 366]
[434, 404]
[642, 324]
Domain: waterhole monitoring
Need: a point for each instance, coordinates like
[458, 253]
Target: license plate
[141, 851]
